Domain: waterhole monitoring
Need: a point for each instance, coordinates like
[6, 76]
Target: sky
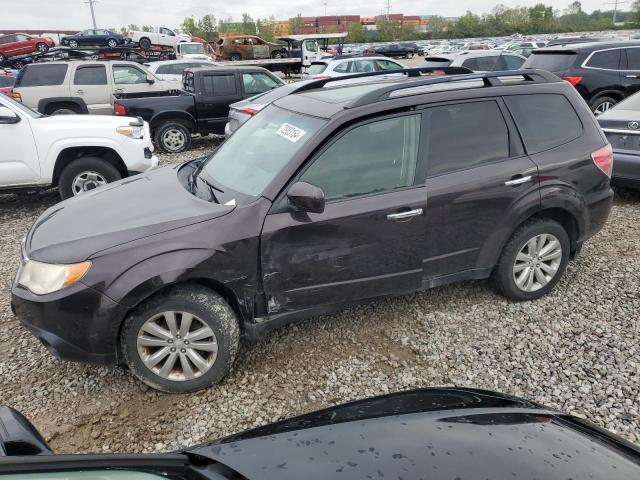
[75, 14]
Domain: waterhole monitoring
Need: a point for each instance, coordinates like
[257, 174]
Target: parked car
[276, 225]
[7, 80]
[621, 125]
[390, 50]
[604, 73]
[172, 70]
[75, 154]
[161, 36]
[488, 60]
[249, 47]
[94, 38]
[202, 107]
[83, 86]
[440, 431]
[347, 65]
[22, 44]
[197, 51]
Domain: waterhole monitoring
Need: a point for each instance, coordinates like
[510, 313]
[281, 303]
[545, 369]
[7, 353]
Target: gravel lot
[575, 350]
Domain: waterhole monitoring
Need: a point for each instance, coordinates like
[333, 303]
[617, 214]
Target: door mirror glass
[8, 116]
[306, 197]
[150, 80]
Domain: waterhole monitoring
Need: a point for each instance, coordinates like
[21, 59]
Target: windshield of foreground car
[23, 108]
[252, 157]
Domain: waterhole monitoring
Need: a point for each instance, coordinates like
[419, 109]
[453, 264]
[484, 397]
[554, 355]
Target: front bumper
[77, 323]
[626, 169]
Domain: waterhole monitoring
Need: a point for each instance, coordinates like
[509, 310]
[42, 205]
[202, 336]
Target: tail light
[573, 80]
[603, 158]
[119, 110]
[249, 111]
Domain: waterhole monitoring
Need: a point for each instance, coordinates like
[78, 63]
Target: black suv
[604, 73]
[327, 197]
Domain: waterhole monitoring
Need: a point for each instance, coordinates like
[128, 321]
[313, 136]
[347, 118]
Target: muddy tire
[145, 43]
[172, 137]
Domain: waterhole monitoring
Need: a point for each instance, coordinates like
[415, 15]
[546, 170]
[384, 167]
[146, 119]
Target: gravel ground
[575, 350]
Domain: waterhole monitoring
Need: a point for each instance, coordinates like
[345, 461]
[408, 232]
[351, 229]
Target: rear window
[550, 61]
[484, 64]
[545, 120]
[316, 68]
[41, 75]
[436, 62]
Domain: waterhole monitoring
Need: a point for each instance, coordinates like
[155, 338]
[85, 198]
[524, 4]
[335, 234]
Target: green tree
[248, 25]
[265, 28]
[357, 33]
[147, 28]
[296, 24]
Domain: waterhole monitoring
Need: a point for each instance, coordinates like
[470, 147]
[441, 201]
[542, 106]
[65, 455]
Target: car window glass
[41, 75]
[166, 31]
[255, 83]
[364, 66]
[388, 65]
[486, 64]
[316, 68]
[21, 38]
[609, 59]
[7, 81]
[465, 135]
[633, 58]
[371, 158]
[219, 84]
[512, 62]
[94, 75]
[127, 75]
[342, 67]
[560, 124]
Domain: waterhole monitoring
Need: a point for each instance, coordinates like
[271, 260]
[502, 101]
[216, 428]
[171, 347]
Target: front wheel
[145, 43]
[42, 47]
[85, 174]
[173, 137]
[73, 44]
[181, 340]
[235, 57]
[533, 260]
[112, 43]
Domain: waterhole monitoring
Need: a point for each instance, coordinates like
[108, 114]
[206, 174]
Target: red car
[22, 44]
[7, 79]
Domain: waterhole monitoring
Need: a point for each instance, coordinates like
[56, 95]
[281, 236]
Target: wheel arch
[70, 154]
[173, 116]
[45, 104]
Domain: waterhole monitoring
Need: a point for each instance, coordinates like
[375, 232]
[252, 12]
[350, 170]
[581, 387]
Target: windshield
[252, 157]
[23, 108]
[192, 48]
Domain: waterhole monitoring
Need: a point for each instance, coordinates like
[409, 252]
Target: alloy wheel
[173, 139]
[112, 43]
[85, 181]
[177, 346]
[41, 47]
[537, 262]
[602, 107]
[73, 44]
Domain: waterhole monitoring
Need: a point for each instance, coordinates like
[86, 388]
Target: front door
[217, 92]
[310, 53]
[19, 162]
[370, 239]
[130, 79]
[90, 83]
[476, 172]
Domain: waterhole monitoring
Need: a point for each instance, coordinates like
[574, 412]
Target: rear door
[260, 49]
[215, 93]
[630, 77]
[476, 172]
[10, 45]
[91, 83]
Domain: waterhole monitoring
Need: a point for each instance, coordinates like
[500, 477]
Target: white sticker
[291, 133]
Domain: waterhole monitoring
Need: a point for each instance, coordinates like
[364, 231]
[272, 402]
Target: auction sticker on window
[291, 133]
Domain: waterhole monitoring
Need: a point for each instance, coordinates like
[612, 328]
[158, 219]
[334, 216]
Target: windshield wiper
[212, 189]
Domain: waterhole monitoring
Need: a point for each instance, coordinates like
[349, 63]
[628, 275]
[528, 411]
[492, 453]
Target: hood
[121, 212]
[432, 433]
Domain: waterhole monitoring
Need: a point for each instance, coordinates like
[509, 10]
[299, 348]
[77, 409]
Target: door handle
[518, 181]
[401, 215]
[631, 76]
[80, 92]
[119, 90]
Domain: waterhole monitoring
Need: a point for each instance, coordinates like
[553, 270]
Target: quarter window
[607, 59]
[481, 64]
[372, 158]
[512, 62]
[633, 58]
[544, 120]
[219, 85]
[94, 75]
[41, 75]
[342, 68]
[465, 135]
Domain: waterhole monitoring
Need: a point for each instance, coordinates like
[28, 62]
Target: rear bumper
[626, 169]
[597, 214]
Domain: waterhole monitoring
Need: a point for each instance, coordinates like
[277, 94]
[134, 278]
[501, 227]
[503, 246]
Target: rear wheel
[182, 340]
[85, 174]
[2, 57]
[235, 57]
[533, 260]
[173, 137]
[145, 43]
[601, 105]
[112, 43]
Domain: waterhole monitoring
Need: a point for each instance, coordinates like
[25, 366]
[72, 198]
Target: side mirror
[150, 80]
[306, 197]
[8, 116]
[18, 436]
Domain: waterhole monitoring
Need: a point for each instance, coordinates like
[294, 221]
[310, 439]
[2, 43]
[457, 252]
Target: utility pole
[325, 9]
[388, 10]
[615, 4]
[93, 14]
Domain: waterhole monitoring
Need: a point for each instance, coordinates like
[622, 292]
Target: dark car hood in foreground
[430, 434]
[124, 211]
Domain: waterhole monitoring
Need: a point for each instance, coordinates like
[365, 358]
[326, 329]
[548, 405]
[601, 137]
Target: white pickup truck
[76, 153]
[161, 36]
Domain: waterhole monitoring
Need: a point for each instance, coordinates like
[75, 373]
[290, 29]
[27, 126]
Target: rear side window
[545, 120]
[551, 61]
[607, 59]
[41, 75]
[511, 62]
[219, 85]
[94, 75]
[633, 58]
[465, 135]
[388, 65]
[485, 64]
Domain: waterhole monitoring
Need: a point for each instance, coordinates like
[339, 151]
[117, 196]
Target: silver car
[348, 65]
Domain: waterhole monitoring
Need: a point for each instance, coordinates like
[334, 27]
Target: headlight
[131, 132]
[42, 278]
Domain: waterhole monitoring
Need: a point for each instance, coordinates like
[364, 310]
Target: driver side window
[372, 158]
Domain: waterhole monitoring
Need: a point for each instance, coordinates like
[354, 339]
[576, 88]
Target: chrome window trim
[621, 131]
[584, 64]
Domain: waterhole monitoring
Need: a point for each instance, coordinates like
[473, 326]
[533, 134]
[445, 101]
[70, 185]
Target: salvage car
[160, 36]
[621, 125]
[22, 44]
[318, 202]
[94, 38]
[71, 152]
[249, 47]
[435, 433]
[202, 107]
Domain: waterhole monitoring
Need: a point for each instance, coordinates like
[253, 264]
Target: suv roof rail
[410, 72]
[490, 79]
